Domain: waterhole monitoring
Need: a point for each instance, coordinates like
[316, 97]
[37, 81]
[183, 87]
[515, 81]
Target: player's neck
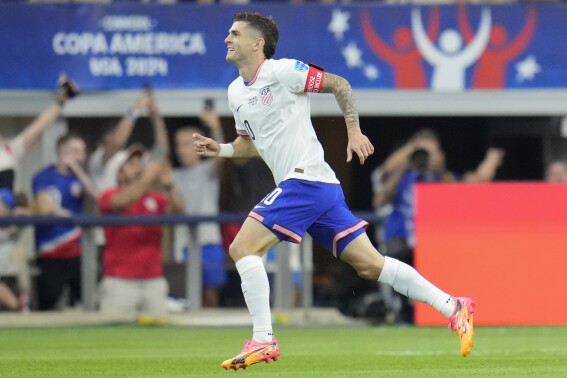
[248, 71]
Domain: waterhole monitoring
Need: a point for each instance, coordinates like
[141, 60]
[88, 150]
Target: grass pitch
[131, 351]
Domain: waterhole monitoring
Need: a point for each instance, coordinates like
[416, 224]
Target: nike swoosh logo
[239, 107]
[259, 207]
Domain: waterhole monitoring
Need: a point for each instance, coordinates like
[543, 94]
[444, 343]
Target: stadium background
[522, 112]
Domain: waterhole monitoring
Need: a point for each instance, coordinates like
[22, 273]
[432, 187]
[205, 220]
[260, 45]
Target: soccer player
[270, 103]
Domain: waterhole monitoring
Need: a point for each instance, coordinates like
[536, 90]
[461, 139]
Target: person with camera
[133, 281]
[11, 151]
[420, 160]
[104, 161]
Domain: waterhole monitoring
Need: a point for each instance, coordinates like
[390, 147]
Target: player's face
[240, 42]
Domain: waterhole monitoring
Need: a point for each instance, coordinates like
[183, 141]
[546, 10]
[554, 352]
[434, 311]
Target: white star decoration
[527, 69]
[371, 71]
[352, 54]
[339, 24]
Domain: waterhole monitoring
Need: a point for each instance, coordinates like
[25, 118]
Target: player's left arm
[357, 142]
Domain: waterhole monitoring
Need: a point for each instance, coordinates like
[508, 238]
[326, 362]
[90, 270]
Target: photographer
[11, 151]
[133, 279]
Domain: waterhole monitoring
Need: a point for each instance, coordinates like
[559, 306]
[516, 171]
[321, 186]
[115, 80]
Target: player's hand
[206, 147]
[142, 104]
[359, 144]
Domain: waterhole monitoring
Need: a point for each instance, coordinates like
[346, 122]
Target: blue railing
[89, 262]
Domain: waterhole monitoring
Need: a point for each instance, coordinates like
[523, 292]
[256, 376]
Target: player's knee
[237, 251]
[370, 271]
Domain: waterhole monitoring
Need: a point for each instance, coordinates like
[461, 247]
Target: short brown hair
[266, 26]
[67, 137]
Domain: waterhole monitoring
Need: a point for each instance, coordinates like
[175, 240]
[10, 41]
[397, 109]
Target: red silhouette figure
[404, 58]
[490, 71]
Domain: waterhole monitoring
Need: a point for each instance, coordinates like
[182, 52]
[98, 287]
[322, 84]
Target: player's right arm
[357, 142]
[207, 147]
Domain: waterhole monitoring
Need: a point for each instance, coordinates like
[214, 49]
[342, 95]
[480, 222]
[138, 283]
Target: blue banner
[441, 48]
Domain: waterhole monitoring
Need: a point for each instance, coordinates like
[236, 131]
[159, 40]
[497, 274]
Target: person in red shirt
[132, 259]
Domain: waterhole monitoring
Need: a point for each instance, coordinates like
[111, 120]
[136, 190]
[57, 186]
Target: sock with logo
[256, 290]
[407, 281]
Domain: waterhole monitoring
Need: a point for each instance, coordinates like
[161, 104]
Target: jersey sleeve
[41, 182]
[298, 76]
[162, 201]
[16, 146]
[239, 125]
[104, 200]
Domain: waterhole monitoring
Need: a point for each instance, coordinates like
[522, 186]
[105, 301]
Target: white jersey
[274, 111]
[104, 173]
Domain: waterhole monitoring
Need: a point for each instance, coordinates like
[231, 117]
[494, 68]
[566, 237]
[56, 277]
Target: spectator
[198, 182]
[103, 163]
[556, 171]
[106, 159]
[132, 273]
[8, 237]
[9, 264]
[59, 190]
[12, 150]
[419, 160]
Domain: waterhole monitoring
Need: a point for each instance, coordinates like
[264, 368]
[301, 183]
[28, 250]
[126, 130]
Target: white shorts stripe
[288, 233]
[347, 232]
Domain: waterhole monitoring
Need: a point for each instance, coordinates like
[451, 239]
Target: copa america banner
[440, 48]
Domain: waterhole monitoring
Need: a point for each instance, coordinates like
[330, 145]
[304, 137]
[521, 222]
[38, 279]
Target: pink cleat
[462, 322]
[252, 353]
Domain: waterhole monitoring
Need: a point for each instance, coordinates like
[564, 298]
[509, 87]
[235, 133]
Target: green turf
[130, 351]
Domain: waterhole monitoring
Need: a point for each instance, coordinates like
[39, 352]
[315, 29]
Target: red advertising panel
[504, 245]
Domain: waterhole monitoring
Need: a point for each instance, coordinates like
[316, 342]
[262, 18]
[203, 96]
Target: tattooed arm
[357, 142]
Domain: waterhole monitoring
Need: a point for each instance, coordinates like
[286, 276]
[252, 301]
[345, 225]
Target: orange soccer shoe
[462, 322]
[252, 353]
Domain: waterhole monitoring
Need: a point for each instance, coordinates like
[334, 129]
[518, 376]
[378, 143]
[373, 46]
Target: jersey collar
[249, 83]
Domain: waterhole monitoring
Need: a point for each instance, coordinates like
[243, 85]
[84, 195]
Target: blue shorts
[213, 260]
[298, 206]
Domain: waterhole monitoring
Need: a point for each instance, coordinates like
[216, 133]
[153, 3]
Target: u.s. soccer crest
[266, 96]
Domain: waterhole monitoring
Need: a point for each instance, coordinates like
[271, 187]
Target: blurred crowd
[239, 2]
[120, 175]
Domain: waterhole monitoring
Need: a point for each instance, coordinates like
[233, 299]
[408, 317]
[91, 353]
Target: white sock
[407, 281]
[256, 290]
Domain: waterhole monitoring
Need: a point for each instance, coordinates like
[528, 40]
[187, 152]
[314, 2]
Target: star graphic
[339, 24]
[527, 69]
[371, 71]
[352, 55]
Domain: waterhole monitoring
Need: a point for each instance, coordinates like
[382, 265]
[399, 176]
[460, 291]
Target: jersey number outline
[249, 130]
[270, 198]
